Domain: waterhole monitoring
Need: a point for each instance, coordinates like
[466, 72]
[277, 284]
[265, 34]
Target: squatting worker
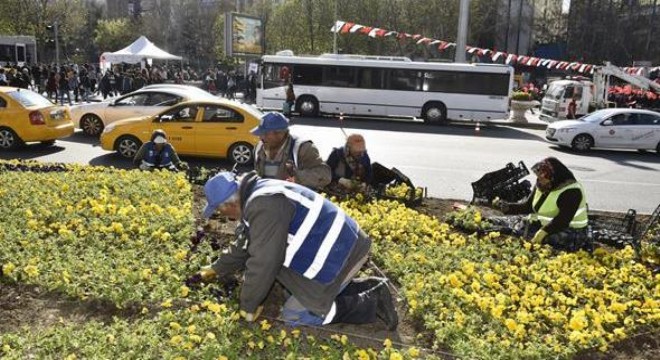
[158, 153]
[302, 240]
[557, 206]
[280, 155]
[350, 164]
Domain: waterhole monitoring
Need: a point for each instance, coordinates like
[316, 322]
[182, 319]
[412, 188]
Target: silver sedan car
[94, 117]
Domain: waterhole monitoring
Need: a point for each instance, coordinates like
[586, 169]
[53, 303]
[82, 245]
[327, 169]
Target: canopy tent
[139, 50]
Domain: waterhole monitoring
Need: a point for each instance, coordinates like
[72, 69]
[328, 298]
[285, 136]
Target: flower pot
[518, 110]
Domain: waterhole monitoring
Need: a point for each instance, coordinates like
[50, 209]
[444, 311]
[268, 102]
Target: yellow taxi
[210, 128]
[26, 116]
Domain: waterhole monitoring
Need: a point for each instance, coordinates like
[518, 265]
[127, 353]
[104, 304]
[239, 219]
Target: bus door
[20, 54]
[274, 78]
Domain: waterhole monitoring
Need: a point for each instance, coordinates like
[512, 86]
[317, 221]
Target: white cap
[160, 140]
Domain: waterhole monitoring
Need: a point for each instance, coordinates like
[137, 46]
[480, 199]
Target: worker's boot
[367, 305]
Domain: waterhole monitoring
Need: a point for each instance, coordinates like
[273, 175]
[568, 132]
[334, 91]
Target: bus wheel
[434, 113]
[307, 106]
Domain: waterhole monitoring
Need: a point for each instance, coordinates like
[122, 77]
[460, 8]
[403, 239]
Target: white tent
[140, 49]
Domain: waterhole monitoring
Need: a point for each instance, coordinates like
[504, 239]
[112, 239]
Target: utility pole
[461, 39]
[334, 37]
[56, 27]
[520, 11]
[508, 27]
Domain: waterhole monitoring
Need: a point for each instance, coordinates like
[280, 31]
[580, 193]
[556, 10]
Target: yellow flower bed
[122, 237]
[497, 297]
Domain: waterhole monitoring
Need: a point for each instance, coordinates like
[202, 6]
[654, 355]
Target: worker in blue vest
[158, 153]
[280, 155]
[557, 208]
[292, 235]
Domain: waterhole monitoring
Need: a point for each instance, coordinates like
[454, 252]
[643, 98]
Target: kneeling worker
[158, 154]
[295, 236]
[350, 164]
[557, 207]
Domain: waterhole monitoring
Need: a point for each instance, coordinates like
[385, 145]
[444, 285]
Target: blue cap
[270, 122]
[218, 189]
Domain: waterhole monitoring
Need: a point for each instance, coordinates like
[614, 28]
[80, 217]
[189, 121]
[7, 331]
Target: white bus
[17, 50]
[386, 86]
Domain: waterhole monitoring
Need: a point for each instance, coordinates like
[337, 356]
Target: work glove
[539, 237]
[345, 183]
[145, 166]
[252, 317]
[500, 204]
[204, 275]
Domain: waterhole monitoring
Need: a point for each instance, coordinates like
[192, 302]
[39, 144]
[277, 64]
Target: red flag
[347, 27]
[366, 30]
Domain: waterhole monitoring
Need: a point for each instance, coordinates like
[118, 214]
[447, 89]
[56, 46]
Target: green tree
[114, 34]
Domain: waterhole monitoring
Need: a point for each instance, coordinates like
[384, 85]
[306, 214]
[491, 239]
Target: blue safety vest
[151, 155]
[321, 235]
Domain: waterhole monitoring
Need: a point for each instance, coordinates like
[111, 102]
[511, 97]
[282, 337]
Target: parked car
[213, 128]
[620, 128]
[26, 116]
[93, 118]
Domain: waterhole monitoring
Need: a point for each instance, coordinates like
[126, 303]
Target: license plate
[57, 115]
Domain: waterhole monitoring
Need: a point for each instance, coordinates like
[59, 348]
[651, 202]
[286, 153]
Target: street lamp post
[461, 39]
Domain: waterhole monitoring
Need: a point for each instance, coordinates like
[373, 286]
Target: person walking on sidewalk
[292, 235]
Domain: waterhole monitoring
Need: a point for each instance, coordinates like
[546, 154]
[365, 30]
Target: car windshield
[29, 98]
[554, 91]
[594, 116]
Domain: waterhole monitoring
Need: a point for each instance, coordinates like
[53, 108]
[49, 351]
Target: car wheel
[91, 125]
[241, 153]
[434, 113]
[127, 146]
[8, 139]
[582, 142]
[307, 106]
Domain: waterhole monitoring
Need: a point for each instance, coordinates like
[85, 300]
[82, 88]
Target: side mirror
[112, 103]
[608, 122]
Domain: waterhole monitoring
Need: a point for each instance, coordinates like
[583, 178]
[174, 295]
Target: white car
[94, 117]
[619, 128]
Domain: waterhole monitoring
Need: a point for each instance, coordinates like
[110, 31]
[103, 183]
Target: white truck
[589, 94]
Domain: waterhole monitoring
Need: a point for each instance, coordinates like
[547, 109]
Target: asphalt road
[445, 159]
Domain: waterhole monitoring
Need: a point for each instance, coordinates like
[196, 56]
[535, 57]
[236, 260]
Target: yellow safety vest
[549, 209]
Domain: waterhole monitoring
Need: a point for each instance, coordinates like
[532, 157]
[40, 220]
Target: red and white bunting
[337, 26]
[497, 56]
[509, 59]
[355, 28]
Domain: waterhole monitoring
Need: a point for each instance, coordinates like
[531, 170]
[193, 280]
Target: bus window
[7, 53]
[370, 78]
[308, 75]
[403, 80]
[271, 75]
[339, 76]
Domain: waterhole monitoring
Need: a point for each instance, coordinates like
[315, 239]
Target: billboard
[244, 35]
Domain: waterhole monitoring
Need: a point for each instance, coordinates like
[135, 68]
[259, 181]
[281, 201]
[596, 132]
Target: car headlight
[566, 130]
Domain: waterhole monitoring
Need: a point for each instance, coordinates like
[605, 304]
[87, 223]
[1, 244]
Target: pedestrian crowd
[76, 83]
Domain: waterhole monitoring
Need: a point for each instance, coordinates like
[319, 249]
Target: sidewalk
[533, 121]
